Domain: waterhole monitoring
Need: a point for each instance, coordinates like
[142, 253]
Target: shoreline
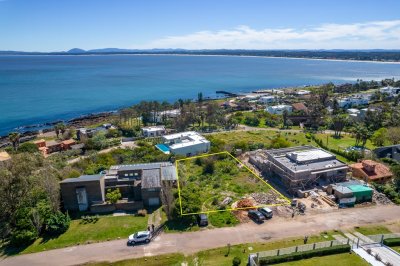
[216, 55]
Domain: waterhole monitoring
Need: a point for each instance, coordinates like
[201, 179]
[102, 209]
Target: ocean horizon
[37, 89]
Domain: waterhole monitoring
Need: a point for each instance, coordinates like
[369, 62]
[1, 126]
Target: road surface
[192, 242]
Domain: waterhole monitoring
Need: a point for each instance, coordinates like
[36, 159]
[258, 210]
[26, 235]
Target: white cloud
[368, 35]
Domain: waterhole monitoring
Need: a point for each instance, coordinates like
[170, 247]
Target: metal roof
[359, 188]
[82, 178]
[151, 178]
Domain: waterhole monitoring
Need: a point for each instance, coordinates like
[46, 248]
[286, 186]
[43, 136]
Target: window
[126, 174]
[131, 174]
[151, 189]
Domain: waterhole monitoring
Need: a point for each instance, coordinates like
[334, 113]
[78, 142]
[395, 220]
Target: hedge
[304, 255]
[392, 242]
[352, 155]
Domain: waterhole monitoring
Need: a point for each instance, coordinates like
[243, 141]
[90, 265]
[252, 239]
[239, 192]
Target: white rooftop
[185, 139]
[309, 155]
[154, 128]
[280, 106]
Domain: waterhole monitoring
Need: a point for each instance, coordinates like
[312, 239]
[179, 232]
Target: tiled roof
[379, 172]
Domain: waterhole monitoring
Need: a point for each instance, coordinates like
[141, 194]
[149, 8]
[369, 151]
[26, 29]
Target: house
[40, 143]
[350, 192]
[301, 167]
[390, 91]
[4, 156]
[278, 109]
[140, 186]
[356, 100]
[185, 143]
[53, 146]
[267, 99]
[67, 144]
[160, 117]
[299, 107]
[391, 152]
[153, 131]
[302, 92]
[371, 171]
[78, 194]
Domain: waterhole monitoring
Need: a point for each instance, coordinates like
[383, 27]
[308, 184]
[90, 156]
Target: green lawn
[372, 230]
[106, 228]
[344, 142]
[331, 260]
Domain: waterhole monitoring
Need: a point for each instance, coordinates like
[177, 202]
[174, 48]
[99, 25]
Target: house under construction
[300, 168]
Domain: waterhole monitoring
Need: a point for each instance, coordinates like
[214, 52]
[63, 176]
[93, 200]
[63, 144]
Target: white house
[267, 99]
[356, 100]
[391, 91]
[153, 131]
[186, 143]
[160, 117]
[302, 92]
[278, 109]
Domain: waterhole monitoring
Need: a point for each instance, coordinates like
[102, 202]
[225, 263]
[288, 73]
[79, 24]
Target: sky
[59, 25]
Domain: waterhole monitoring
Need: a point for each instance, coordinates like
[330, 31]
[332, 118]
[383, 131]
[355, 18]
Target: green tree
[379, 137]
[59, 128]
[113, 196]
[14, 138]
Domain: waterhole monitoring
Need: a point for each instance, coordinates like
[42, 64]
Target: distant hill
[339, 54]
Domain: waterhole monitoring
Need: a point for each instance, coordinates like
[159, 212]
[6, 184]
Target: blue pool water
[164, 148]
[39, 89]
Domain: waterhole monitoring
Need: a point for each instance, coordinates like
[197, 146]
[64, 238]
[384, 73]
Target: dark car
[202, 219]
[256, 216]
[267, 212]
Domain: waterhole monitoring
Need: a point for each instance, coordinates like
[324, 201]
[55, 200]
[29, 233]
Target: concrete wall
[192, 150]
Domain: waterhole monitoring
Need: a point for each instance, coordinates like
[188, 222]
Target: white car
[139, 237]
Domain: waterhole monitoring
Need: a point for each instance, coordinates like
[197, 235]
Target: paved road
[189, 243]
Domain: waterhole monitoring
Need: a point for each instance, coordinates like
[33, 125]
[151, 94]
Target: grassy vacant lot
[372, 230]
[219, 176]
[344, 142]
[260, 136]
[106, 228]
[331, 260]
[220, 256]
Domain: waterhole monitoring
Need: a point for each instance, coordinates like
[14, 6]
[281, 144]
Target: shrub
[28, 147]
[236, 261]
[392, 242]
[142, 213]
[305, 254]
[377, 257]
[23, 237]
[57, 223]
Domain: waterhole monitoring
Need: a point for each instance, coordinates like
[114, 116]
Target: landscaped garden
[219, 182]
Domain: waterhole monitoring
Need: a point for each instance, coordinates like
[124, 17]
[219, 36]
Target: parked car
[202, 219]
[256, 216]
[139, 237]
[267, 212]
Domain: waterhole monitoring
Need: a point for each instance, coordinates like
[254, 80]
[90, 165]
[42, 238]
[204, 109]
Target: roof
[359, 188]
[151, 178]
[154, 128]
[379, 170]
[343, 190]
[52, 143]
[82, 178]
[299, 107]
[68, 141]
[39, 141]
[166, 170]
[4, 156]
[77, 146]
[184, 139]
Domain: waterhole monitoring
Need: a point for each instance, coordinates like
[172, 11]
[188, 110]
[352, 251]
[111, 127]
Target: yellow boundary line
[233, 209]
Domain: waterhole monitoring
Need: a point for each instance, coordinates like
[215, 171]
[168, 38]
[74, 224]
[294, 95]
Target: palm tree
[14, 138]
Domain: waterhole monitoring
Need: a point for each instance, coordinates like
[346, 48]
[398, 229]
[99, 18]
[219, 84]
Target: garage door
[154, 201]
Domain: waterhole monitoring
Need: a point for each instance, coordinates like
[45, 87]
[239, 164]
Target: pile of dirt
[245, 203]
[380, 198]
[241, 216]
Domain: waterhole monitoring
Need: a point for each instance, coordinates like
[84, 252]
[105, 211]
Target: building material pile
[267, 198]
[380, 198]
[245, 203]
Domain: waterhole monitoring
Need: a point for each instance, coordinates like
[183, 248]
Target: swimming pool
[164, 148]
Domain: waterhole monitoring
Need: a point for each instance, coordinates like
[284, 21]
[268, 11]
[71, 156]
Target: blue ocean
[39, 89]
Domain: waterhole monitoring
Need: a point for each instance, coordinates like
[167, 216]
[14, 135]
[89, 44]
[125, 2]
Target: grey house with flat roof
[138, 183]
